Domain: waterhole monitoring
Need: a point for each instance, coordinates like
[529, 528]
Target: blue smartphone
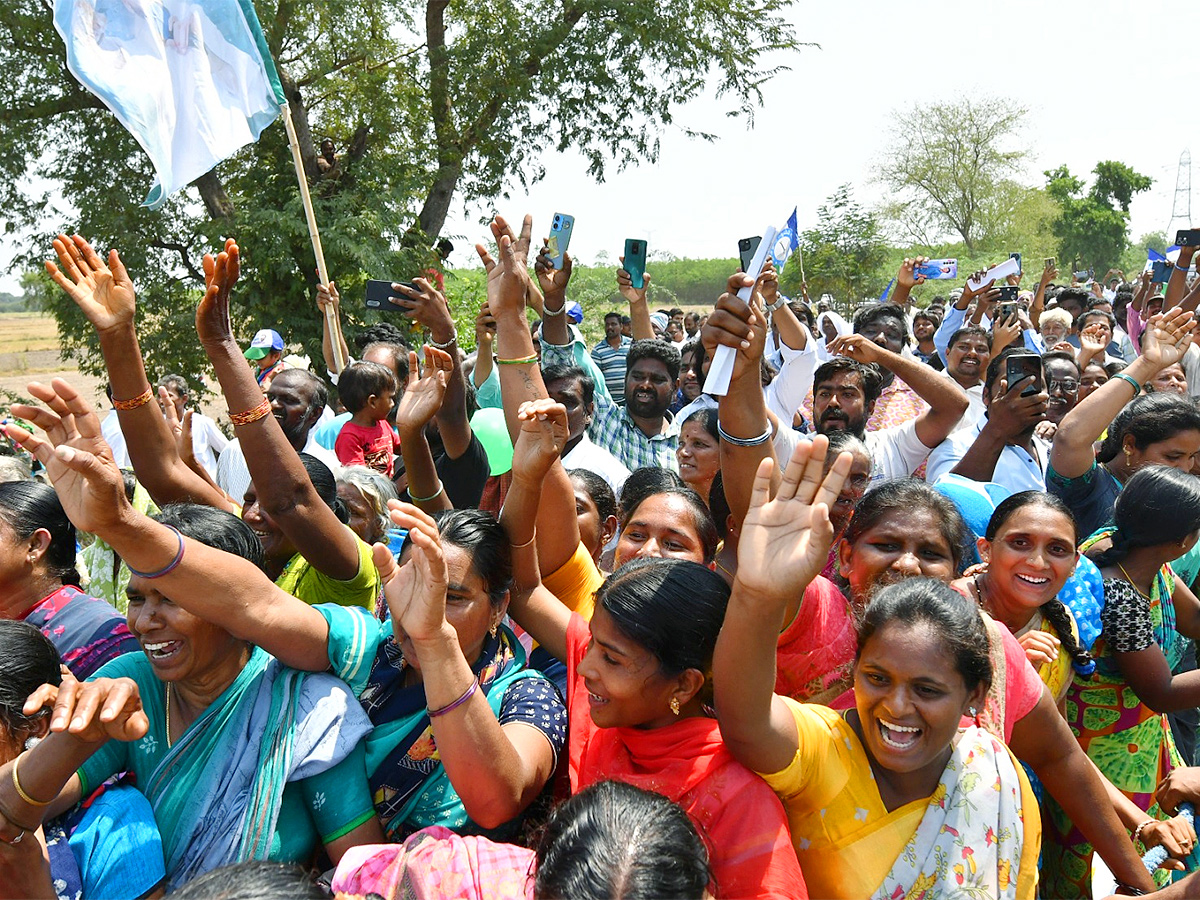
[1017, 257]
[635, 262]
[560, 238]
[1160, 271]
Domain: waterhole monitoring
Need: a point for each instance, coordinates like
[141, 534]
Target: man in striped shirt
[611, 354]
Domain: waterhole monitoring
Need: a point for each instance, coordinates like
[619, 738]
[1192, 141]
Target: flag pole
[331, 318]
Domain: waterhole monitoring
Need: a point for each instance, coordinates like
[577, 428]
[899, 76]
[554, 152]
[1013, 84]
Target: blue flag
[192, 82]
[1154, 256]
[887, 290]
[787, 241]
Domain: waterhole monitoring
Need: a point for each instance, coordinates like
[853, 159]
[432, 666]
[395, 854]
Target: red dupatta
[737, 815]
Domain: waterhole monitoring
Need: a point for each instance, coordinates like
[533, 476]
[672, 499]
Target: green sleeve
[339, 799]
[354, 639]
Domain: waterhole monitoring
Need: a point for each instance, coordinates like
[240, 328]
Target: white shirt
[1015, 469]
[207, 441]
[896, 452]
[594, 458]
[975, 406]
[110, 430]
[233, 476]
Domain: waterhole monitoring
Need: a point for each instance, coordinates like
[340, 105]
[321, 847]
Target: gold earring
[492, 630]
[675, 705]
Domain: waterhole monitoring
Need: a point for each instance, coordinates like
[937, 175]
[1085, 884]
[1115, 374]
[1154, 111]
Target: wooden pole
[335, 327]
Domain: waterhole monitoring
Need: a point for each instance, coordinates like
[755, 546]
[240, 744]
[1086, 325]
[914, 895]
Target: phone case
[635, 261]
[747, 247]
[378, 293]
[937, 269]
[560, 237]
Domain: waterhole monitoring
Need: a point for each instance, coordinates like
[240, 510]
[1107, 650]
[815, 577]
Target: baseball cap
[574, 312]
[265, 340]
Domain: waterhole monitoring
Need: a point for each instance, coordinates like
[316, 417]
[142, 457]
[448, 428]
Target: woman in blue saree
[240, 756]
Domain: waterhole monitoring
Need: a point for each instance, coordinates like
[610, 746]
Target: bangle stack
[140, 400]
[745, 442]
[169, 567]
[470, 692]
[445, 345]
[260, 411]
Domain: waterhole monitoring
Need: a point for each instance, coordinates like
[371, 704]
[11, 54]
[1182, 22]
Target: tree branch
[216, 201]
[197, 275]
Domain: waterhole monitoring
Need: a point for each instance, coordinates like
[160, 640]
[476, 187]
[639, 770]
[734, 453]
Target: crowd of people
[907, 610]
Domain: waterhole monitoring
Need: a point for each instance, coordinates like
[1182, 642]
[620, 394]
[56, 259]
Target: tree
[843, 252]
[950, 171]
[1094, 226]
[424, 101]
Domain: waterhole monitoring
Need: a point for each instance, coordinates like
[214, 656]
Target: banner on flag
[192, 82]
[786, 242]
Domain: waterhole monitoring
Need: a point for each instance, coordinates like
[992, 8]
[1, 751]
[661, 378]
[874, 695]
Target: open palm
[784, 542]
[103, 292]
[423, 396]
[1167, 337]
[416, 591]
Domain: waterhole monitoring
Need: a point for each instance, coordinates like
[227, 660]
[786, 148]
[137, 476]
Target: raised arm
[284, 489]
[207, 582]
[782, 547]
[1049, 273]
[428, 307]
[496, 769]
[543, 434]
[947, 401]
[327, 297]
[639, 309]
[521, 382]
[105, 294]
[1166, 339]
[1177, 283]
[418, 405]
[906, 280]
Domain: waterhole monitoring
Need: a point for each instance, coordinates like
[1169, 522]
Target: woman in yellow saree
[891, 799]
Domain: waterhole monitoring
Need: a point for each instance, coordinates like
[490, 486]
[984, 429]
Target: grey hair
[378, 489]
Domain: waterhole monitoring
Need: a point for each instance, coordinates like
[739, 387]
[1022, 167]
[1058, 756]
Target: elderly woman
[214, 729]
[466, 736]
[39, 583]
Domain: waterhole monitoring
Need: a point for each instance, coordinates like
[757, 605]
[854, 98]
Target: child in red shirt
[367, 390]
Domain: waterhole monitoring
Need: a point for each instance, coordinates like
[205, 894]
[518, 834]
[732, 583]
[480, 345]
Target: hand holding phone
[747, 247]
[937, 270]
[634, 261]
[1022, 366]
[560, 237]
[380, 294]
[1187, 237]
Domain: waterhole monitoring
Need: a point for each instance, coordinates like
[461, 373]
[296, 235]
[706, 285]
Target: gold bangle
[21, 791]
[252, 415]
[522, 361]
[140, 400]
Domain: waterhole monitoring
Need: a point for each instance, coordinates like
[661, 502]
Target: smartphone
[635, 262]
[1006, 311]
[747, 247]
[1049, 264]
[560, 237]
[1187, 237]
[1160, 271]
[937, 269]
[1082, 276]
[379, 294]
[1008, 294]
[1017, 257]
[1023, 365]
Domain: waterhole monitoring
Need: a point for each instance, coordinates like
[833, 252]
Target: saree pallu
[978, 836]
[1129, 742]
[216, 794]
[815, 653]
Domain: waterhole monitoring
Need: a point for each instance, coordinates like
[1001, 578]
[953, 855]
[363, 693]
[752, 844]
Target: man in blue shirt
[611, 355]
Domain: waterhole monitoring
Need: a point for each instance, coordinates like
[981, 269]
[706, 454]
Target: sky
[1096, 76]
[1095, 86]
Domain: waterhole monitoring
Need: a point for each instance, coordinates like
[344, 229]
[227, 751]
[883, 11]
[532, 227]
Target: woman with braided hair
[1029, 550]
[1119, 714]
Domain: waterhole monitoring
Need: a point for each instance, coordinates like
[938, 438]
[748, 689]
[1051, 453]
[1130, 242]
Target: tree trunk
[216, 201]
[437, 204]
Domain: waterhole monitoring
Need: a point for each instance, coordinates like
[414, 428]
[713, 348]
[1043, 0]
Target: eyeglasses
[1067, 386]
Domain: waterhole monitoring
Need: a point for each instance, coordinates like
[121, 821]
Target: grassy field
[29, 352]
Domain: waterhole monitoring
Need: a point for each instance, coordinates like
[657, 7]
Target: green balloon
[488, 425]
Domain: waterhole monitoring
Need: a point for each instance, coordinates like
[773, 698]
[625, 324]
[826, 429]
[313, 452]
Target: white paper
[720, 370]
[1009, 267]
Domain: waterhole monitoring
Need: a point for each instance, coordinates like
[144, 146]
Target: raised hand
[1049, 273]
[544, 433]
[104, 293]
[552, 281]
[859, 348]
[327, 295]
[426, 306]
[416, 591]
[93, 712]
[508, 282]
[180, 428]
[625, 285]
[78, 461]
[220, 275]
[1092, 340]
[767, 286]
[737, 324]
[1167, 337]
[784, 543]
[485, 326]
[905, 277]
[423, 396]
